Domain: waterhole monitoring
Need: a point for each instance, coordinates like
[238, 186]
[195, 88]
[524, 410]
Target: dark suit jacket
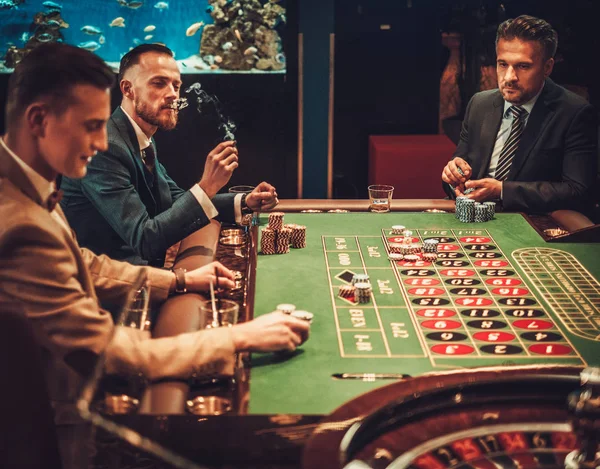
[556, 163]
[121, 210]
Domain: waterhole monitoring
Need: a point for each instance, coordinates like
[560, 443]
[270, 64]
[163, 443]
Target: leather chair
[27, 432]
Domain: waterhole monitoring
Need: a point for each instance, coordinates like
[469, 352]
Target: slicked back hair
[52, 70]
[529, 28]
[133, 56]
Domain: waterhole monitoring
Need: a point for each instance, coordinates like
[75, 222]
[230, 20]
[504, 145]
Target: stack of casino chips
[267, 241]
[276, 238]
[430, 250]
[347, 291]
[298, 236]
[469, 211]
[282, 240]
[362, 292]
[362, 288]
[398, 229]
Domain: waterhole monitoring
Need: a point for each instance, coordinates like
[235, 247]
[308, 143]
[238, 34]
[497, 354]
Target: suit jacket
[59, 285]
[122, 210]
[555, 165]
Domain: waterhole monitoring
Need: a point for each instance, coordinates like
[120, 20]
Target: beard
[168, 122]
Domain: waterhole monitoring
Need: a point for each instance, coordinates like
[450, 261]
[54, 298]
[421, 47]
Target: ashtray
[208, 405]
[554, 232]
[233, 240]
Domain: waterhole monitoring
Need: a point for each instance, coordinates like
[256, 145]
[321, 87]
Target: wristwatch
[245, 209]
[180, 281]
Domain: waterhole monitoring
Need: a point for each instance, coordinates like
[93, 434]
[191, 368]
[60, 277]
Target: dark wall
[386, 80]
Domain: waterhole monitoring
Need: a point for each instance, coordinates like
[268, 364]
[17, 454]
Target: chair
[27, 432]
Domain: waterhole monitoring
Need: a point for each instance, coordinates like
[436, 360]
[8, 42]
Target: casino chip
[304, 315]
[267, 241]
[276, 220]
[363, 291]
[347, 291]
[393, 256]
[361, 278]
[398, 229]
[286, 308]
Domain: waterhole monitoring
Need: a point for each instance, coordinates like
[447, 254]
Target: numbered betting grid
[469, 304]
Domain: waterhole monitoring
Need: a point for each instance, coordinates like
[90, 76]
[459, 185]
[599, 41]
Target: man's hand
[270, 333]
[485, 189]
[200, 279]
[451, 174]
[219, 166]
[262, 198]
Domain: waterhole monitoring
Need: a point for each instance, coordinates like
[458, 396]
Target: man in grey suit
[530, 144]
[127, 206]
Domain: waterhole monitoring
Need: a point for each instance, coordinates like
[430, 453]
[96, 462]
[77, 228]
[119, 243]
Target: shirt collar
[43, 187]
[143, 140]
[528, 106]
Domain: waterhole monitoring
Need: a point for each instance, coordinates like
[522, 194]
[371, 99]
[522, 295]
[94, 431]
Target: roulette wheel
[489, 418]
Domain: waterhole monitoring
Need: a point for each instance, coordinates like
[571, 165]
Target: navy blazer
[556, 163]
[122, 210]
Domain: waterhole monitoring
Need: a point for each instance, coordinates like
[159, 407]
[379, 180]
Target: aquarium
[207, 36]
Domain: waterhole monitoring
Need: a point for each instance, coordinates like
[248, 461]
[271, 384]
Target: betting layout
[468, 302]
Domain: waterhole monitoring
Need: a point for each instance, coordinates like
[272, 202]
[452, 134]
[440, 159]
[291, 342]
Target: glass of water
[380, 198]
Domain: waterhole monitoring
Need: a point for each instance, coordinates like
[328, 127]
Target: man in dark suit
[127, 206]
[530, 144]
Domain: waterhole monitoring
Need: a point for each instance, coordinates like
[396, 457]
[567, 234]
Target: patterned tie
[149, 157]
[510, 147]
[54, 199]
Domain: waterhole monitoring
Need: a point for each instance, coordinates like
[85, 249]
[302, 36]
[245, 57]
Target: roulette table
[498, 294]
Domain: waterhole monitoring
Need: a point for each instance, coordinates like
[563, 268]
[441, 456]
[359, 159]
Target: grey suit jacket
[120, 209]
[59, 286]
[555, 165]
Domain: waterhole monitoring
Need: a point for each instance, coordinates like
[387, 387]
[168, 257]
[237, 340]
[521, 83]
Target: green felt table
[537, 303]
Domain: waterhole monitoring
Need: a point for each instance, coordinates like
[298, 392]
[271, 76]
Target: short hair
[133, 56]
[51, 70]
[529, 28]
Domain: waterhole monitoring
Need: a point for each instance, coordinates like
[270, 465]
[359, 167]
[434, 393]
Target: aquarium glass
[207, 36]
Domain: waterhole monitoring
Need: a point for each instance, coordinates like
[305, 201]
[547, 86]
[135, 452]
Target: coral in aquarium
[220, 36]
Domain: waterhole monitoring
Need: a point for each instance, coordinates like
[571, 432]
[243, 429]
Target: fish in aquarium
[223, 36]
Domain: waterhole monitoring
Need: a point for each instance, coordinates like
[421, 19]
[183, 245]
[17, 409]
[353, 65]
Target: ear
[36, 117]
[127, 89]
[548, 66]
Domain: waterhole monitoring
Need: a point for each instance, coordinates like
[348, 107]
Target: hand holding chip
[456, 173]
[262, 198]
[270, 333]
[482, 190]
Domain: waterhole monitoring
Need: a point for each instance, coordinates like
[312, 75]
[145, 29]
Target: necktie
[53, 199]
[512, 144]
[149, 157]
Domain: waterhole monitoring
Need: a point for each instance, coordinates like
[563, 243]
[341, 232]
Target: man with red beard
[531, 144]
[127, 206]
